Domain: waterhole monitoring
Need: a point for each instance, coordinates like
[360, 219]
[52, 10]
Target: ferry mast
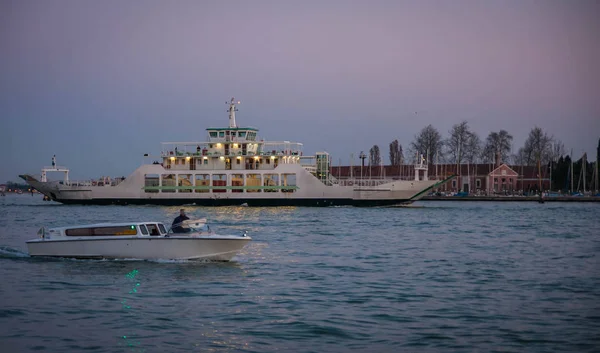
[232, 109]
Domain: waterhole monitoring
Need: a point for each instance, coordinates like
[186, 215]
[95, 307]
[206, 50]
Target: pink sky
[100, 83]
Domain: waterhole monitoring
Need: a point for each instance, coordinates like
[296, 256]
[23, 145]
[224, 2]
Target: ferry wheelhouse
[235, 167]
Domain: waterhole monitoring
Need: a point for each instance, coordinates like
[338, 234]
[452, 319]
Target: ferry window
[213, 134]
[162, 228]
[242, 134]
[233, 134]
[202, 182]
[144, 229]
[288, 180]
[268, 161]
[152, 229]
[185, 181]
[219, 180]
[168, 183]
[253, 183]
[237, 182]
[221, 134]
[271, 182]
[151, 182]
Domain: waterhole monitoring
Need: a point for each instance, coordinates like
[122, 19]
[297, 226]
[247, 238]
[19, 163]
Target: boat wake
[6, 252]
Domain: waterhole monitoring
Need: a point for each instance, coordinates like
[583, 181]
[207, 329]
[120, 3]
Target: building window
[454, 183]
[478, 183]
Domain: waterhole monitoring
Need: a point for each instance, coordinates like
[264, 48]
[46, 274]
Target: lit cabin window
[102, 231]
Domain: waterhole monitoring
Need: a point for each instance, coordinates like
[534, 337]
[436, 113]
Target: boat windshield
[193, 226]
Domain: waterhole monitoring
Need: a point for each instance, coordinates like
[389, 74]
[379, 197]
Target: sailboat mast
[597, 188]
[572, 190]
[540, 175]
[583, 160]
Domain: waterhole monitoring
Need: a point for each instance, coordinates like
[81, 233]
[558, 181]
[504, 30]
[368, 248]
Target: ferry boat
[233, 166]
[137, 240]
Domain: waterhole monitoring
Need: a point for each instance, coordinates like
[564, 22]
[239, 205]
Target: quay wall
[513, 198]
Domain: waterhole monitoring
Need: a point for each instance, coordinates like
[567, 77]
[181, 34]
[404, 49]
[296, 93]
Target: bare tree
[428, 143]
[374, 156]
[497, 144]
[396, 156]
[457, 143]
[473, 148]
[519, 158]
[538, 147]
[557, 150]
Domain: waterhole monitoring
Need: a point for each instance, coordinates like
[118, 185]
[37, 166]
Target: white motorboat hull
[213, 248]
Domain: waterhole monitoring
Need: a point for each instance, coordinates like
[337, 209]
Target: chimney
[498, 159]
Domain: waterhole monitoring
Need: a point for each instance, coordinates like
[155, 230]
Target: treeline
[465, 146]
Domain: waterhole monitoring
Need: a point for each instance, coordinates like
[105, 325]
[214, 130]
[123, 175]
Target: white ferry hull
[310, 192]
[213, 248]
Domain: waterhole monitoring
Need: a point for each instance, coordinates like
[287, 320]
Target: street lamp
[362, 156]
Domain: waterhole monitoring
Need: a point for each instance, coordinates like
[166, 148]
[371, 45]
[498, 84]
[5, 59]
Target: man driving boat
[178, 221]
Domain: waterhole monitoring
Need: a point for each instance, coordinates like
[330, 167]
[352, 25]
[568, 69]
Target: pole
[584, 162]
[572, 174]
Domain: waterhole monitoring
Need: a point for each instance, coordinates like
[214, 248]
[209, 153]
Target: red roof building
[472, 178]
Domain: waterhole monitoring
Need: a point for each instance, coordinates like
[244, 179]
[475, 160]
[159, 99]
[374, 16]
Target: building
[472, 178]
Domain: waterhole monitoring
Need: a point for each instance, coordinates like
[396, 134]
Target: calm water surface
[447, 276]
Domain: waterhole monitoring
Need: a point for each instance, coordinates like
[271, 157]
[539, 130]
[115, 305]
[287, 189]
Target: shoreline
[513, 198]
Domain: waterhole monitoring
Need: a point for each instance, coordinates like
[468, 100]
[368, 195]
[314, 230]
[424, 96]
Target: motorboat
[137, 240]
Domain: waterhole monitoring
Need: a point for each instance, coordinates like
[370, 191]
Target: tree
[538, 147]
[473, 148]
[497, 144]
[374, 156]
[427, 143]
[396, 155]
[557, 150]
[460, 143]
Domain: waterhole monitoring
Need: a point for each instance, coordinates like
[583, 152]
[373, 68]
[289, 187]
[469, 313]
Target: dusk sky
[100, 83]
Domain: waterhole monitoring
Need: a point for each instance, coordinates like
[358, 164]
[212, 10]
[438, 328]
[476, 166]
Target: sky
[100, 83]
